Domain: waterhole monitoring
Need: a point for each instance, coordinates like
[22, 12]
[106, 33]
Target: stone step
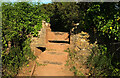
[56, 53]
[53, 57]
[52, 70]
[57, 39]
[50, 62]
[37, 45]
[58, 36]
[57, 46]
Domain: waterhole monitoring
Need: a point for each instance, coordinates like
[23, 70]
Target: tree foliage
[18, 21]
[62, 15]
[102, 21]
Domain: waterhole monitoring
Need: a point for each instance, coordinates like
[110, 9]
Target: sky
[43, 1]
[49, 1]
[46, 1]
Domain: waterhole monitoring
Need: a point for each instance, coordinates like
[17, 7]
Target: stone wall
[42, 39]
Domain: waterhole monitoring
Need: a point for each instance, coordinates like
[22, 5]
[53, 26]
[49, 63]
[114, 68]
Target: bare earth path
[52, 61]
[54, 57]
[55, 60]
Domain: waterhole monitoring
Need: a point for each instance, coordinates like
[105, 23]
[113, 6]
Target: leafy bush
[103, 20]
[100, 63]
[18, 21]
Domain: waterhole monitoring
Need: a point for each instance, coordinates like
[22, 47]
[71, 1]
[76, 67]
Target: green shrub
[100, 63]
[18, 21]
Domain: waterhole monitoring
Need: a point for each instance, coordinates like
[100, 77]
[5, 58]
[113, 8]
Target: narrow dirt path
[53, 59]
